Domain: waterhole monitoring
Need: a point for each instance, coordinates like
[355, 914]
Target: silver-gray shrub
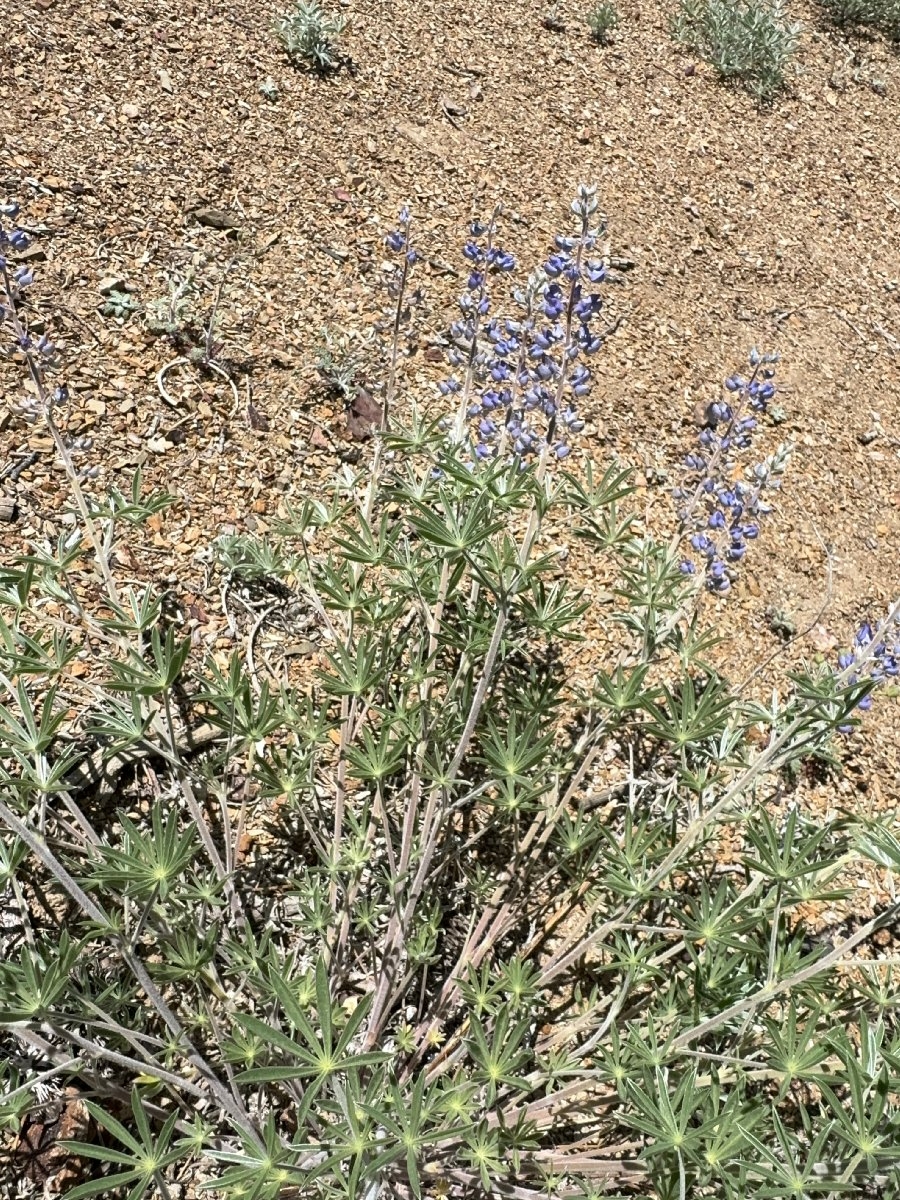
[340, 359]
[309, 31]
[749, 41]
[437, 917]
[602, 19]
[880, 15]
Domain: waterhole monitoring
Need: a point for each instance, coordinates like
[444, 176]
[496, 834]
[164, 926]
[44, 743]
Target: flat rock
[215, 218]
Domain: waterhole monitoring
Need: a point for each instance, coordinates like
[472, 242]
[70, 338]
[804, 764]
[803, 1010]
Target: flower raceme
[14, 280]
[874, 656]
[518, 379]
[719, 513]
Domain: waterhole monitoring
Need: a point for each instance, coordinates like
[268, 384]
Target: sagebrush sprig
[751, 41]
[602, 19]
[309, 32]
[883, 15]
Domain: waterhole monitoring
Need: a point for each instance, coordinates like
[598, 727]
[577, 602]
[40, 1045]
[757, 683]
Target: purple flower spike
[716, 501]
[517, 367]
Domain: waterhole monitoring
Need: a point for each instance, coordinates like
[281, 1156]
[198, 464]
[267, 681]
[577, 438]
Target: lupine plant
[751, 41]
[439, 917]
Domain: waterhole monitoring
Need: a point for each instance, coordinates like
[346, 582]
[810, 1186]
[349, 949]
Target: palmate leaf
[139, 613]
[597, 516]
[665, 1115]
[259, 1170]
[440, 524]
[867, 1118]
[881, 844]
[147, 863]
[353, 1145]
[592, 495]
[27, 655]
[318, 1056]
[378, 756]
[408, 1116]
[786, 1167]
[342, 589]
[15, 590]
[305, 1065]
[135, 508]
[625, 691]
[554, 610]
[796, 849]
[29, 733]
[364, 546]
[499, 1055]
[514, 750]
[36, 979]
[356, 670]
[729, 1113]
[122, 723]
[141, 677]
[146, 1156]
[690, 715]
